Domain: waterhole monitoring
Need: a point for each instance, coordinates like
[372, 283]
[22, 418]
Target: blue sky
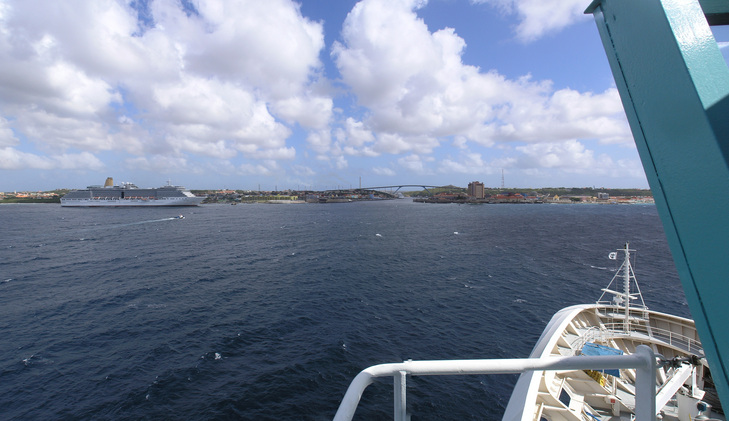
[310, 94]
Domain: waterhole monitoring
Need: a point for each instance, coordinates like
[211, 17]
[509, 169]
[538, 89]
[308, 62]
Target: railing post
[399, 380]
[645, 384]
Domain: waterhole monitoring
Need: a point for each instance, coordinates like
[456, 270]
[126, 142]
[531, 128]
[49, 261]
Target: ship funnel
[109, 182]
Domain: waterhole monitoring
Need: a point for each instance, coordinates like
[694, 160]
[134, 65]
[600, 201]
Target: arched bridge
[381, 189]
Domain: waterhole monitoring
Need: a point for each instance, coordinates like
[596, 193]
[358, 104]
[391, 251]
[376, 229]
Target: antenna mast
[626, 288]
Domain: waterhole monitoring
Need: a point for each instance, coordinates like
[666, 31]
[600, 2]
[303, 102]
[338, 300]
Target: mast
[626, 288]
[621, 302]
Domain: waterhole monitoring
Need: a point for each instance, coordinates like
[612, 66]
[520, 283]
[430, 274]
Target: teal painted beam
[674, 85]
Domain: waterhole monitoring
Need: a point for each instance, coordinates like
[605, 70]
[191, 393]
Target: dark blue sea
[267, 312]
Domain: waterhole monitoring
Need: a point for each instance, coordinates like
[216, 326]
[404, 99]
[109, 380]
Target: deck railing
[672, 338]
[643, 360]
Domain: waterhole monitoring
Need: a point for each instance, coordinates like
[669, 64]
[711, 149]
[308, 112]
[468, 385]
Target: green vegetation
[435, 190]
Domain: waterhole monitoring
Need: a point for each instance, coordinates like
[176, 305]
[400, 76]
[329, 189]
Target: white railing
[643, 360]
[672, 338]
[591, 335]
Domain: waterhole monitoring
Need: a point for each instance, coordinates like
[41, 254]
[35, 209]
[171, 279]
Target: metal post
[399, 384]
[626, 288]
[645, 384]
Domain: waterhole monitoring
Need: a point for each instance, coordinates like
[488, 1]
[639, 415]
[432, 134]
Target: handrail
[669, 336]
[592, 334]
[643, 360]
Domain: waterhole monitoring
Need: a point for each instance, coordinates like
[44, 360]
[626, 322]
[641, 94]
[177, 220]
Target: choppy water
[268, 311]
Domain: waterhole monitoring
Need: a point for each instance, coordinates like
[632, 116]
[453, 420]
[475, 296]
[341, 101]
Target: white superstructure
[127, 194]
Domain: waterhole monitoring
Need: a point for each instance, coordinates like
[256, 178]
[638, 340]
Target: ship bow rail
[643, 361]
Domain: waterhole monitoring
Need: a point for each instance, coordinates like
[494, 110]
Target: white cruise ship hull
[127, 194]
[171, 201]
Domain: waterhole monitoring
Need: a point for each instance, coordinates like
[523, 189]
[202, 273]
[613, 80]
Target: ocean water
[267, 312]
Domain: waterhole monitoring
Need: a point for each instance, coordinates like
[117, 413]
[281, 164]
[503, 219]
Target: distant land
[443, 194]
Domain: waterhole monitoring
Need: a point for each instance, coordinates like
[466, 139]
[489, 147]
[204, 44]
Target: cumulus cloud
[341, 163]
[57, 133]
[225, 80]
[573, 157]
[268, 45]
[230, 87]
[311, 111]
[384, 171]
[469, 163]
[540, 17]
[163, 163]
[415, 164]
[319, 141]
[303, 171]
[418, 91]
[542, 115]
[13, 159]
[7, 138]
[253, 169]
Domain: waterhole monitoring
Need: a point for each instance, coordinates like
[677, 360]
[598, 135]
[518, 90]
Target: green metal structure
[674, 85]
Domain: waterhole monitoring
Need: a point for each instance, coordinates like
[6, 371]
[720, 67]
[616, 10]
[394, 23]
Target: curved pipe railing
[643, 360]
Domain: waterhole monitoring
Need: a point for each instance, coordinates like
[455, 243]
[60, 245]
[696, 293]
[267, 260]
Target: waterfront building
[476, 189]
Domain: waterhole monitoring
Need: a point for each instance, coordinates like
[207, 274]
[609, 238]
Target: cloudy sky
[308, 94]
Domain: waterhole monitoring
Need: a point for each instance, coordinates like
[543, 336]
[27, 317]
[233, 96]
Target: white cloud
[319, 141]
[7, 137]
[573, 157]
[254, 169]
[13, 159]
[414, 163]
[393, 143]
[282, 153]
[313, 112]
[303, 171]
[418, 91]
[469, 163]
[565, 114]
[540, 17]
[384, 171]
[341, 163]
[57, 133]
[83, 75]
[268, 45]
[356, 133]
[354, 139]
[163, 164]
[202, 113]
[219, 149]
[241, 81]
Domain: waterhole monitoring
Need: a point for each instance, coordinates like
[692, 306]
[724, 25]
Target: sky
[309, 94]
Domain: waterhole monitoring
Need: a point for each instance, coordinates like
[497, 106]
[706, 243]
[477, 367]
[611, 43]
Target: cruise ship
[127, 194]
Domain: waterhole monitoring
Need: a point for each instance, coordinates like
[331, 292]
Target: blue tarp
[593, 349]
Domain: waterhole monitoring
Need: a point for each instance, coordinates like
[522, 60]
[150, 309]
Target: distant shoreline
[444, 194]
[263, 202]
